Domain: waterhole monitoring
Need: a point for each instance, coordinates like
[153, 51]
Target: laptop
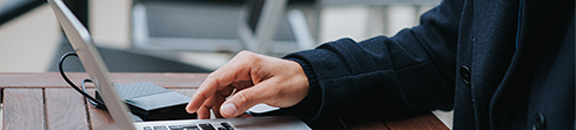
[92, 61]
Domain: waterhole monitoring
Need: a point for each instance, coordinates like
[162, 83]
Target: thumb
[244, 100]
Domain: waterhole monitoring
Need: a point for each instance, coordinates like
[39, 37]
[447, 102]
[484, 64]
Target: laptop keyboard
[207, 126]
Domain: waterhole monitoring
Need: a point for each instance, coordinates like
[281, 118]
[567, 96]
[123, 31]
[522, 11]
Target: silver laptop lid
[82, 43]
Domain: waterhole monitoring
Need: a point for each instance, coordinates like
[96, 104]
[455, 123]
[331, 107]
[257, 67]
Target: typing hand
[252, 79]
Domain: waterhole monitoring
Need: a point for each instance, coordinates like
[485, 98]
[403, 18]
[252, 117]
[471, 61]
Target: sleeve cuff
[310, 105]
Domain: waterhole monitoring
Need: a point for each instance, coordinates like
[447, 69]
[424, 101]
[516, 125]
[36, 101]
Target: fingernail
[190, 112]
[188, 109]
[228, 109]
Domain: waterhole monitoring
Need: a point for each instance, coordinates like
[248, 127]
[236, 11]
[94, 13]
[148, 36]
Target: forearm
[363, 82]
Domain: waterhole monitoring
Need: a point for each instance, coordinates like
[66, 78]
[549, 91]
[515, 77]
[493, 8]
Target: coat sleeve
[410, 73]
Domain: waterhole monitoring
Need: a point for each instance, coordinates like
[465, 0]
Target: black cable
[92, 100]
[84, 90]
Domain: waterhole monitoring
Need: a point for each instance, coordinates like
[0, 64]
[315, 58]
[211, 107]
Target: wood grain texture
[54, 80]
[100, 119]
[423, 122]
[65, 109]
[24, 109]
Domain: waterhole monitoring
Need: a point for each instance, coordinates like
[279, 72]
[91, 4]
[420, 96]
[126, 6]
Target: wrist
[309, 106]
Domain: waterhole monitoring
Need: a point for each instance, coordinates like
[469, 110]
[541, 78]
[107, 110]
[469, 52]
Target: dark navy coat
[499, 64]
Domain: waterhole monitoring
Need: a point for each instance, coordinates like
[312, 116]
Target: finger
[215, 81]
[204, 110]
[216, 107]
[243, 100]
[226, 91]
[236, 70]
[204, 92]
[203, 113]
[216, 110]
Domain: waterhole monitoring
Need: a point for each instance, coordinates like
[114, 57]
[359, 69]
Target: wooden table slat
[100, 119]
[65, 109]
[24, 109]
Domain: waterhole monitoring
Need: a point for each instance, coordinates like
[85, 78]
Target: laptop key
[160, 128]
[148, 128]
[227, 126]
[206, 127]
[176, 127]
[190, 127]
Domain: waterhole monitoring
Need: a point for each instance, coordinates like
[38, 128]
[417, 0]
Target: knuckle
[245, 52]
[198, 94]
[202, 96]
[248, 54]
[211, 76]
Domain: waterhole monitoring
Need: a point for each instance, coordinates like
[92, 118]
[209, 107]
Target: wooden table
[45, 101]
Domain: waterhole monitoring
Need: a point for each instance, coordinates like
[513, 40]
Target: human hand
[252, 79]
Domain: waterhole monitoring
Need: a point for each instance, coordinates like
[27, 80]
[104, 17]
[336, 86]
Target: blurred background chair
[262, 26]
